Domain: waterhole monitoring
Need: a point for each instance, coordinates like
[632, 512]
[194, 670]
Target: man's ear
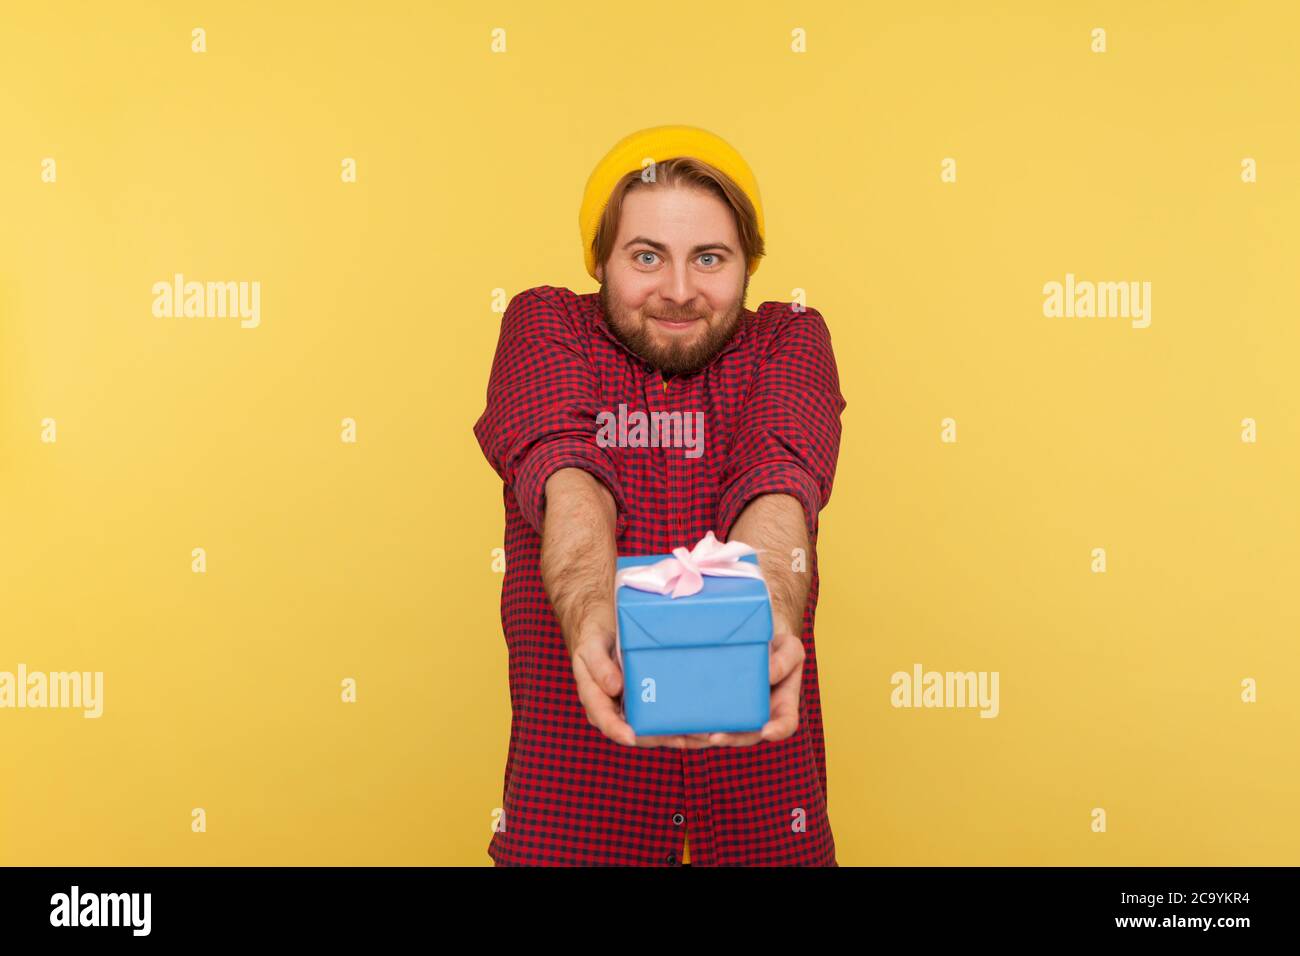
[600, 272]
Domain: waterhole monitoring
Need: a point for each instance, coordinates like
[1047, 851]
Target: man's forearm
[775, 525]
[579, 551]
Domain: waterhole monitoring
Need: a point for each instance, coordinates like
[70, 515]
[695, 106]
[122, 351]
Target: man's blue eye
[639, 254]
[710, 255]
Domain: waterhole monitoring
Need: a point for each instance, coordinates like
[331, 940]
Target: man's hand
[599, 676]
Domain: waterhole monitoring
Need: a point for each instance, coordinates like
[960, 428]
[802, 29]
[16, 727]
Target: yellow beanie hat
[660, 143]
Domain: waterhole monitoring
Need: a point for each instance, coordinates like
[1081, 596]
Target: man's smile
[670, 324]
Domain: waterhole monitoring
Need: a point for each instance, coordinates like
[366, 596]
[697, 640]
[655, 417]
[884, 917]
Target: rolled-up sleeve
[787, 439]
[541, 409]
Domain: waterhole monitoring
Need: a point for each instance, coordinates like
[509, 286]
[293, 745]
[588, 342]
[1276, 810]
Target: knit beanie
[660, 143]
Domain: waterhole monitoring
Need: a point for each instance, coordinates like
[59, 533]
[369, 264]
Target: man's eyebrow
[705, 247]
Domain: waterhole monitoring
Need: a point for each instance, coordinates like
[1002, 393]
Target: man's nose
[678, 286]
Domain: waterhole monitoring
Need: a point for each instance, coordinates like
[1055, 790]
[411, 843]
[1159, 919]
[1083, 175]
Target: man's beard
[676, 358]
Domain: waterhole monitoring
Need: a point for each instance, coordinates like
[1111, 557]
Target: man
[672, 229]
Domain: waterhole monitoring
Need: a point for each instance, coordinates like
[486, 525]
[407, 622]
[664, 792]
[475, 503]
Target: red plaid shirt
[771, 403]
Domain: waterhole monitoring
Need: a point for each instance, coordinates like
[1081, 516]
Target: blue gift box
[699, 663]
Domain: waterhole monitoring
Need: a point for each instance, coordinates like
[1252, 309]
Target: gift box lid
[725, 611]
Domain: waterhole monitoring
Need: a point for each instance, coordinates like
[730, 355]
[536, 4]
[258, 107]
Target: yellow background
[328, 560]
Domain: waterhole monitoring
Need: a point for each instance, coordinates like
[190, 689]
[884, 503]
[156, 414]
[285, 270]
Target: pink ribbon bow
[683, 574]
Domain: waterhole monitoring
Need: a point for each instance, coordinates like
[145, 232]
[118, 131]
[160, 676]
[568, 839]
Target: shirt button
[678, 819]
[671, 858]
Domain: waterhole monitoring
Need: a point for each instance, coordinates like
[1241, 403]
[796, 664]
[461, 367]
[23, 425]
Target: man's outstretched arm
[579, 556]
[579, 553]
[781, 468]
[775, 524]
